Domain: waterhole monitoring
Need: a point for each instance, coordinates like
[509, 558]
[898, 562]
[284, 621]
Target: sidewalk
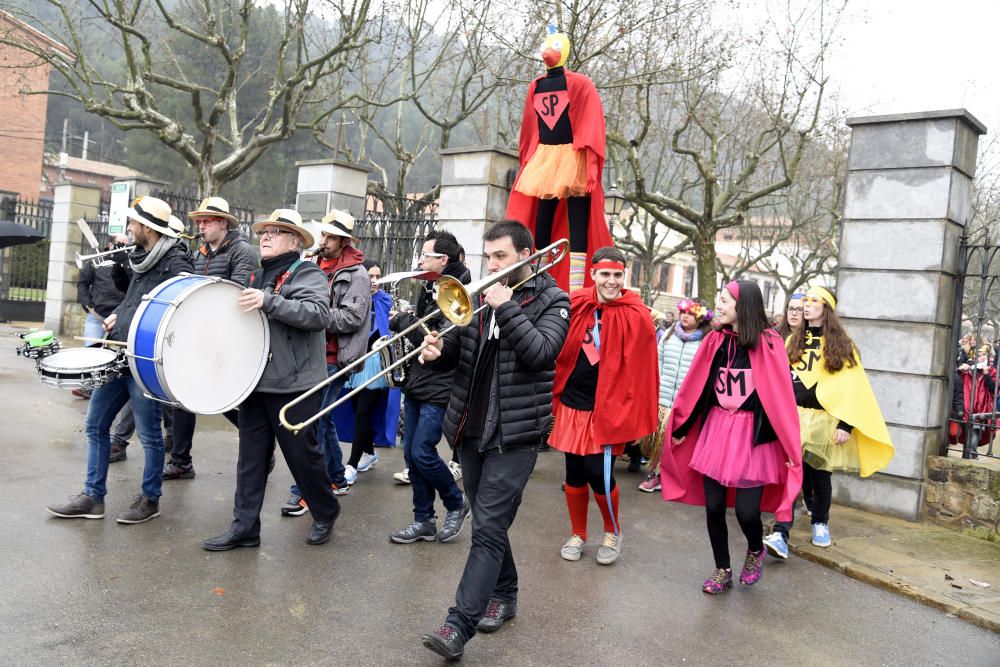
[911, 559]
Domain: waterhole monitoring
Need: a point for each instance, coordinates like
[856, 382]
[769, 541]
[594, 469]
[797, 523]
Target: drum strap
[286, 275]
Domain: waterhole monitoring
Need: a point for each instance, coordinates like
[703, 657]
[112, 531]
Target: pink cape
[681, 483]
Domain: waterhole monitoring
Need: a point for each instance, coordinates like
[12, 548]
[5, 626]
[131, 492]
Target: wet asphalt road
[96, 592]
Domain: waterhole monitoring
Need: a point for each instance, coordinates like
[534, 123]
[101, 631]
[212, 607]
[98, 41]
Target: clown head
[555, 48]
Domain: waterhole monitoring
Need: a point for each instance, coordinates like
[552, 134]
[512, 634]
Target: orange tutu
[573, 433]
[555, 171]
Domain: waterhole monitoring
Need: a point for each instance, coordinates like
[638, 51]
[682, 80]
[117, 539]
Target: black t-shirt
[482, 382]
[805, 397]
[551, 100]
[581, 387]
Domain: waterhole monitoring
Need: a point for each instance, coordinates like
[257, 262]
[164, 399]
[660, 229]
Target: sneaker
[339, 490]
[454, 521]
[81, 393]
[573, 548]
[80, 506]
[350, 474]
[117, 453]
[752, 567]
[367, 462]
[821, 534]
[446, 641]
[295, 506]
[610, 549]
[651, 483]
[174, 471]
[777, 545]
[456, 469]
[497, 613]
[721, 580]
[418, 530]
[403, 476]
[142, 509]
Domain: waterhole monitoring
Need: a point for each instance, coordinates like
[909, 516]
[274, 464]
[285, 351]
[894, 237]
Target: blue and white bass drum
[191, 345]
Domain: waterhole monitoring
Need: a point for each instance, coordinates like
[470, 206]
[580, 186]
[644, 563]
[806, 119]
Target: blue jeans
[93, 327]
[428, 473]
[326, 433]
[105, 403]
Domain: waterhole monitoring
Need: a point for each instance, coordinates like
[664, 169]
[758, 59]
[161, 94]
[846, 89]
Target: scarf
[271, 268]
[163, 244]
[688, 337]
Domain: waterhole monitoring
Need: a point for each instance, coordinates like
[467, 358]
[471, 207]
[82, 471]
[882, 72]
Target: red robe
[625, 406]
[773, 378]
[586, 117]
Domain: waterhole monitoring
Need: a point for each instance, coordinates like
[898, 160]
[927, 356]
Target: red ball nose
[551, 57]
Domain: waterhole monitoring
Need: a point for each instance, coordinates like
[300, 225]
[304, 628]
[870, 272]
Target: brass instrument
[455, 302]
[391, 348]
[80, 259]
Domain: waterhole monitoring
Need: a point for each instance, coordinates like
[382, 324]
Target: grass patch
[26, 294]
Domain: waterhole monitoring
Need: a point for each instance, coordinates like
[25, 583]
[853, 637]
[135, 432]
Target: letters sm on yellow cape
[848, 396]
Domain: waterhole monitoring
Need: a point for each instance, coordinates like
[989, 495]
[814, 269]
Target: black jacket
[235, 259]
[176, 261]
[95, 288]
[533, 328]
[423, 383]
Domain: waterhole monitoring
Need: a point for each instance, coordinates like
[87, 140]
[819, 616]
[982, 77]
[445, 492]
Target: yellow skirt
[819, 448]
[554, 172]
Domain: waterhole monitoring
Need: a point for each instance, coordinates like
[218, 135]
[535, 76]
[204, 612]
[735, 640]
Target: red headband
[734, 289]
[608, 264]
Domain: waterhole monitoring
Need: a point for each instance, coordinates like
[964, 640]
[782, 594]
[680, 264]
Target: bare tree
[207, 53]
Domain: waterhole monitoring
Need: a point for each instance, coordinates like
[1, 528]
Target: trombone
[80, 259]
[455, 302]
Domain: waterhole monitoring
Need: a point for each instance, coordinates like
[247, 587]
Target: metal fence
[181, 203]
[24, 269]
[974, 422]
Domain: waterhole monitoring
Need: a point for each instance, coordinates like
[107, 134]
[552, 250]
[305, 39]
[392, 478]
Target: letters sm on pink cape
[773, 381]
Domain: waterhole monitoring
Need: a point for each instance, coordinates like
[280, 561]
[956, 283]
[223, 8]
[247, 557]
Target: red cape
[774, 387]
[628, 382]
[586, 116]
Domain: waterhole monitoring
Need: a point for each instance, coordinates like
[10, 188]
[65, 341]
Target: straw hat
[217, 207]
[153, 213]
[288, 219]
[338, 223]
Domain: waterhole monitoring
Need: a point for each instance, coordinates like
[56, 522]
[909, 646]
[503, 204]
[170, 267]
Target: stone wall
[964, 494]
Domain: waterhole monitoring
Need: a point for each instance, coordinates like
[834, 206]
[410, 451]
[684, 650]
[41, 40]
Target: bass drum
[191, 345]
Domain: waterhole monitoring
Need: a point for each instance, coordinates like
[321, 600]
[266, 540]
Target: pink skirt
[725, 451]
[573, 433]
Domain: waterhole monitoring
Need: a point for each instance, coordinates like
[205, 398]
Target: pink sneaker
[651, 483]
[718, 582]
[752, 567]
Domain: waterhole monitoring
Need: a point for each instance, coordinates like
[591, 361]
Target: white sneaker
[367, 462]
[350, 474]
[573, 548]
[611, 547]
[456, 469]
[403, 477]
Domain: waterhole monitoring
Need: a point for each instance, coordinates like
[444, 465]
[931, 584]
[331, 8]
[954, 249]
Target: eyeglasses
[272, 233]
[425, 255]
[812, 299]
[795, 309]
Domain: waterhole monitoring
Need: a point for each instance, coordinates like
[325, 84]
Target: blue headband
[797, 295]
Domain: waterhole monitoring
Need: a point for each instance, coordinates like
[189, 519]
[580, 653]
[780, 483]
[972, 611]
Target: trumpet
[455, 303]
[80, 259]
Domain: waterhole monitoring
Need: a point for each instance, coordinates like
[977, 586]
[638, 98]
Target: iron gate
[24, 269]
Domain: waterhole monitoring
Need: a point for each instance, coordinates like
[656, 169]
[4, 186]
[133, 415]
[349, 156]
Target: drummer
[159, 256]
[225, 254]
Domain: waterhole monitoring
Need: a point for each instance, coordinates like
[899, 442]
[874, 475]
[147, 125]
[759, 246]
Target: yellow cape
[848, 396]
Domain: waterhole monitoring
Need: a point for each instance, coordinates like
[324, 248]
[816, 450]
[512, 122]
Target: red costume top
[628, 382]
[586, 116]
[773, 379]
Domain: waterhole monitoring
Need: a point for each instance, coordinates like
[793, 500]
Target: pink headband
[734, 289]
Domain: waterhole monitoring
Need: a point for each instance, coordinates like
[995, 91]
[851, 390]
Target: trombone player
[499, 412]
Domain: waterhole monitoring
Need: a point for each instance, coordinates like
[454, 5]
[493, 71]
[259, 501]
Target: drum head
[78, 360]
[213, 353]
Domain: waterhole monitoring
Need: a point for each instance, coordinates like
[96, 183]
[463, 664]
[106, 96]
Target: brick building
[22, 117]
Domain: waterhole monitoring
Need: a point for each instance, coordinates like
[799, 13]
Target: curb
[879, 579]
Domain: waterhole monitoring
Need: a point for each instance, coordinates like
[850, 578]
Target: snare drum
[85, 367]
[191, 345]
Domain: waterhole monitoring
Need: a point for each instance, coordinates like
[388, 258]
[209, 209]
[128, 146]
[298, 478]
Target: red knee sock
[577, 499]
[602, 503]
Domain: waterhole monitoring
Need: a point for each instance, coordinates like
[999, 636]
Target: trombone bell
[454, 299]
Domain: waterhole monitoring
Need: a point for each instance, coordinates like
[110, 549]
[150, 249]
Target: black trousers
[183, 433]
[365, 403]
[820, 483]
[747, 514]
[494, 483]
[259, 427]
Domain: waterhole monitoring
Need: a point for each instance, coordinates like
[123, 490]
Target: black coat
[533, 328]
[176, 261]
[96, 288]
[235, 259]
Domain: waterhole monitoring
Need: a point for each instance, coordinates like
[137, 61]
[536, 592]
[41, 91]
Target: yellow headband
[823, 294]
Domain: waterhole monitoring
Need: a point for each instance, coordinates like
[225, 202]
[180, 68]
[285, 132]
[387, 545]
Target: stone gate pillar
[69, 202]
[909, 196]
[474, 194]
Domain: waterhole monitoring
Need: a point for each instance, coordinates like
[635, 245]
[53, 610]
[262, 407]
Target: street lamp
[614, 201]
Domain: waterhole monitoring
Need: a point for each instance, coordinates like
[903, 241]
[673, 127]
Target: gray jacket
[297, 317]
[350, 313]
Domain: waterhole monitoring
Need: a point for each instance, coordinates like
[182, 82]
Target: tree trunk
[704, 248]
[207, 186]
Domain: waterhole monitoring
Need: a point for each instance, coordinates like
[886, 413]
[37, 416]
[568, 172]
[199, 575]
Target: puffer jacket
[173, 263]
[235, 259]
[350, 309]
[675, 357]
[297, 318]
[423, 383]
[533, 328]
